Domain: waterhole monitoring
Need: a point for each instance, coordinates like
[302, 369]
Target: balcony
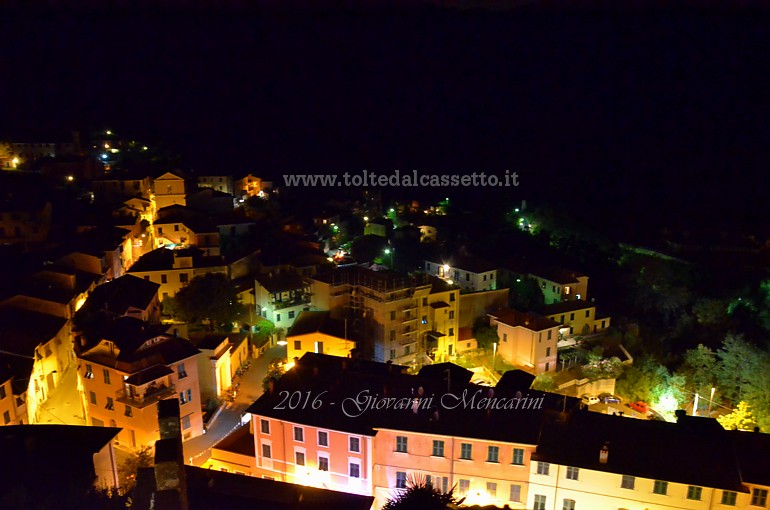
[288, 303]
[149, 397]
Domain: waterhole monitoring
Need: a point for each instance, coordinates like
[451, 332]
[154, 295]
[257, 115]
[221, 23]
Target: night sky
[605, 112]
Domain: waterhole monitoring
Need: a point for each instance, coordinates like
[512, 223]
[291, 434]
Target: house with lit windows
[577, 318]
[281, 296]
[173, 269]
[470, 273]
[317, 332]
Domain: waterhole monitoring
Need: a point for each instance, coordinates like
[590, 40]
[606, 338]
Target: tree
[275, 370]
[699, 369]
[645, 381]
[740, 363]
[525, 294]
[544, 382]
[598, 367]
[130, 467]
[420, 494]
[484, 334]
[209, 300]
[740, 419]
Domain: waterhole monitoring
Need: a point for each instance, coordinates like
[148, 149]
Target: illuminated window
[401, 442]
[694, 492]
[627, 482]
[299, 434]
[759, 497]
[299, 458]
[438, 448]
[465, 486]
[518, 456]
[466, 450]
[539, 502]
[267, 451]
[660, 487]
[400, 480]
[729, 498]
[354, 470]
[572, 473]
[323, 463]
[566, 291]
[543, 468]
[355, 444]
[515, 494]
[492, 489]
[264, 426]
[569, 504]
[493, 454]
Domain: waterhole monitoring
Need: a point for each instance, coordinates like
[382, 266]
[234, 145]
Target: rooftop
[120, 294]
[316, 322]
[282, 282]
[527, 320]
[567, 306]
[21, 331]
[467, 263]
[162, 259]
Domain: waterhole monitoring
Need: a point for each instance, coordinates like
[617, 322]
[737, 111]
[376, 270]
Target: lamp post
[711, 400]
[391, 252]
[494, 355]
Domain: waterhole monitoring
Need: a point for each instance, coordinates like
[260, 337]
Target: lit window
[660, 487]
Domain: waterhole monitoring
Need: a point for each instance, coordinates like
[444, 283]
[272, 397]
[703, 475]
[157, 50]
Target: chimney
[604, 453]
[170, 476]
[680, 413]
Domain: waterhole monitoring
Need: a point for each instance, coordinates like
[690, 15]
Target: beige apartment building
[526, 340]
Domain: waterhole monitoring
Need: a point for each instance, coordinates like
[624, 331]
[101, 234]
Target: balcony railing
[287, 303]
[150, 396]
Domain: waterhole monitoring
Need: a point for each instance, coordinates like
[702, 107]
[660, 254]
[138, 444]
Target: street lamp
[711, 400]
[494, 355]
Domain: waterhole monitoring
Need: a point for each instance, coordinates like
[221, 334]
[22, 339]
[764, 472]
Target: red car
[639, 406]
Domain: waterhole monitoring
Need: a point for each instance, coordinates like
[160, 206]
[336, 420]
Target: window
[176, 228]
[180, 371]
[323, 438]
[588, 313]
[2, 392]
[627, 482]
[92, 397]
[515, 494]
[451, 297]
[539, 502]
[185, 396]
[464, 486]
[89, 371]
[355, 444]
[106, 376]
[505, 337]
[543, 468]
[400, 480]
[163, 278]
[299, 434]
[493, 454]
[297, 345]
[518, 456]
[354, 470]
[184, 277]
[160, 230]
[128, 412]
[572, 473]
[424, 319]
[6, 418]
[392, 315]
[569, 504]
[492, 489]
[110, 404]
[438, 448]
[660, 487]
[264, 426]
[392, 335]
[278, 317]
[451, 331]
[451, 314]
[392, 354]
[466, 449]
[572, 316]
[401, 442]
[548, 350]
[694, 492]
[729, 498]
[323, 463]
[267, 451]
[299, 458]
[759, 497]
[407, 350]
[291, 314]
[424, 301]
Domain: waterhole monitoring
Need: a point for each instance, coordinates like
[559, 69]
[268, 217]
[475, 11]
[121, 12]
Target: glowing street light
[70, 178]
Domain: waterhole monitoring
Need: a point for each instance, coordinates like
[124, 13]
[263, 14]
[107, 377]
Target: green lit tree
[420, 494]
[544, 382]
[699, 369]
[275, 370]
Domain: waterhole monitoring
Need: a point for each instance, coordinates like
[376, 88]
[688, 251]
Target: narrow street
[198, 450]
[64, 405]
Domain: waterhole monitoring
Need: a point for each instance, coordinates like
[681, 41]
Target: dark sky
[600, 110]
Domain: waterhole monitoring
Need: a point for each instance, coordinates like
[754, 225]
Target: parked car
[639, 406]
[589, 399]
[609, 398]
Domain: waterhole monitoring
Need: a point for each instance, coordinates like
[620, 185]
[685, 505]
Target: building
[169, 189]
[115, 188]
[470, 273]
[223, 183]
[127, 366]
[173, 269]
[25, 220]
[248, 186]
[211, 201]
[56, 466]
[576, 318]
[127, 296]
[557, 284]
[526, 340]
[14, 375]
[222, 354]
[402, 318]
[107, 251]
[281, 296]
[317, 332]
[476, 305]
[42, 352]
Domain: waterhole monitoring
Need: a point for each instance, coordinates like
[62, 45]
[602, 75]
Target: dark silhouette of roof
[282, 282]
[527, 320]
[21, 331]
[162, 259]
[567, 306]
[120, 294]
[753, 452]
[316, 322]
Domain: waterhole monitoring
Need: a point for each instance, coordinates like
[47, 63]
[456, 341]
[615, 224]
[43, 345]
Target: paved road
[198, 450]
[64, 405]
